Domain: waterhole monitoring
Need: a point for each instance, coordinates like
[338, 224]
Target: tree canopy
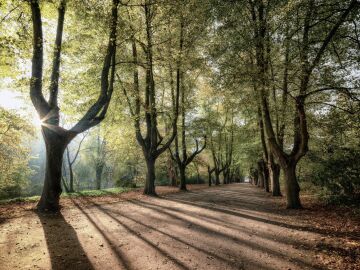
[147, 93]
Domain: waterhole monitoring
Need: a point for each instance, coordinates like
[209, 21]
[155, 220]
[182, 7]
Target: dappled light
[179, 134]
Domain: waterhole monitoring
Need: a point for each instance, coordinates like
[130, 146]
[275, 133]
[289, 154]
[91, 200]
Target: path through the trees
[234, 226]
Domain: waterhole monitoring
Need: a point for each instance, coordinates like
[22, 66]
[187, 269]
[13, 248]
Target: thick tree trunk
[55, 147]
[209, 179]
[149, 188]
[274, 173]
[182, 170]
[292, 188]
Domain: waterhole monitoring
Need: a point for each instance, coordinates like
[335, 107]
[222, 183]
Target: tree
[99, 159]
[302, 32]
[14, 156]
[57, 138]
[184, 160]
[288, 162]
[70, 164]
[152, 144]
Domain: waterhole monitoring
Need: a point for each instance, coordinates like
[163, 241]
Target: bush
[126, 181]
[10, 191]
[339, 175]
[161, 181]
[194, 180]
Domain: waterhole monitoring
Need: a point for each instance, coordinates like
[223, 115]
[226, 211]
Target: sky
[11, 100]
[15, 101]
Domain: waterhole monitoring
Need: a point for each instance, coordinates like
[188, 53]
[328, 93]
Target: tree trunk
[71, 184]
[266, 177]
[182, 170]
[260, 182]
[64, 185]
[197, 175]
[171, 171]
[292, 188]
[209, 178]
[217, 178]
[254, 175]
[55, 147]
[274, 172]
[149, 188]
[99, 170]
[225, 177]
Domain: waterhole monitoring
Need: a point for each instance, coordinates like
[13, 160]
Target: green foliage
[97, 193]
[84, 193]
[338, 173]
[14, 155]
[193, 179]
[218, 73]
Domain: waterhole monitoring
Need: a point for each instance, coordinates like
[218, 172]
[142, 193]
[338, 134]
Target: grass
[20, 199]
[97, 193]
[83, 193]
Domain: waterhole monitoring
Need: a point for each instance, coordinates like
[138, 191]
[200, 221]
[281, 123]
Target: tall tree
[183, 160]
[57, 138]
[288, 162]
[152, 143]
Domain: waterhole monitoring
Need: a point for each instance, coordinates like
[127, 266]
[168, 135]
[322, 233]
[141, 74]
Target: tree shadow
[177, 262]
[224, 210]
[120, 256]
[218, 221]
[64, 248]
[221, 235]
[233, 264]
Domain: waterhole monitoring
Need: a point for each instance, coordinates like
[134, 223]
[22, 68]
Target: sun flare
[11, 100]
[37, 121]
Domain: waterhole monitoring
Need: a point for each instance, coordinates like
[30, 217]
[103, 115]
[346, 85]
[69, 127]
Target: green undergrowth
[83, 193]
[100, 192]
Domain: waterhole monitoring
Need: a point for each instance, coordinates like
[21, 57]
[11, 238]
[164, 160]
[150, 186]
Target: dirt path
[229, 227]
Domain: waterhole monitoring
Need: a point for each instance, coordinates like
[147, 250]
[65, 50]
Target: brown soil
[227, 227]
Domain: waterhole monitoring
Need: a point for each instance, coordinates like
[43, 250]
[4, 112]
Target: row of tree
[292, 55]
[239, 87]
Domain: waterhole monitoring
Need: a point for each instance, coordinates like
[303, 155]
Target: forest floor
[235, 226]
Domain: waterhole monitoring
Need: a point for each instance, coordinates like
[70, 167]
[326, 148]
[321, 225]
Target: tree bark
[71, 172]
[225, 177]
[217, 178]
[149, 188]
[55, 147]
[209, 179]
[182, 170]
[260, 182]
[274, 175]
[99, 171]
[266, 177]
[171, 171]
[292, 188]
[71, 183]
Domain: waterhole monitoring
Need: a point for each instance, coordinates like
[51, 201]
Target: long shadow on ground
[64, 248]
[178, 214]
